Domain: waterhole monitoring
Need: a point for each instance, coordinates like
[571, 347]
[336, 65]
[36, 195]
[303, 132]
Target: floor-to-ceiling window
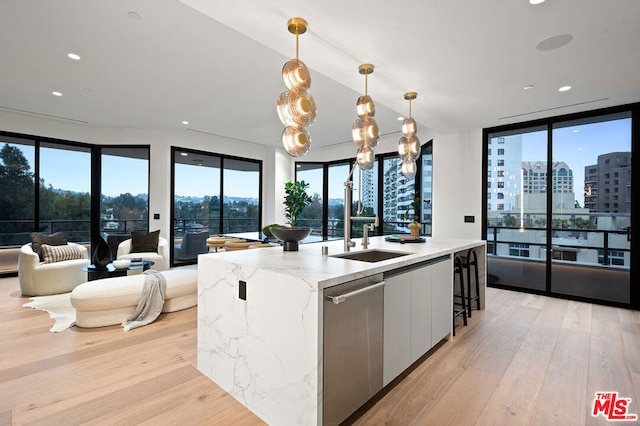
[559, 206]
[50, 185]
[65, 190]
[313, 175]
[124, 198]
[17, 200]
[380, 191]
[338, 173]
[241, 189]
[212, 194]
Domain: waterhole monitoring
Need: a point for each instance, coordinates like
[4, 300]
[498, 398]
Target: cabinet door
[397, 324]
[420, 312]
[441, 299]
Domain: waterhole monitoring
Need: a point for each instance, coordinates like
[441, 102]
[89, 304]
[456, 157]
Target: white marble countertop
[309, 264]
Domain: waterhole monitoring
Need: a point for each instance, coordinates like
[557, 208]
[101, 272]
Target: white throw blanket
[151, 301]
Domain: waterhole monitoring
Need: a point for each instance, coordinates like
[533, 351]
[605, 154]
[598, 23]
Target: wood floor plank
[464, 400]
[578, 316]
[545, 331]
[562, 398]
[607, 368]
[513, 402]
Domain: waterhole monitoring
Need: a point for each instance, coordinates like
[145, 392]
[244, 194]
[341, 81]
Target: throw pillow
[38, 239]
[144, 241]
[54, 254]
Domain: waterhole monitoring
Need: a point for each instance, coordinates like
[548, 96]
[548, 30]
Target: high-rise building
[607, 184]
[504, 172]
[534, 177]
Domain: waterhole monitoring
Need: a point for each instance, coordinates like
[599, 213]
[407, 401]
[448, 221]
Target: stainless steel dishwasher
[353, 346]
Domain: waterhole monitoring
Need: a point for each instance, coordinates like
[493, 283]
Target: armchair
[192, 244]
[160, 259]
[38, 278]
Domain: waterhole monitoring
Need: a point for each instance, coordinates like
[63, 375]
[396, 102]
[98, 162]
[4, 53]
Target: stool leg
[472, 261]
[459, 270]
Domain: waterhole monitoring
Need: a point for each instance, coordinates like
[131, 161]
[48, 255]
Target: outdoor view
[64, 192]
[212, 195]
[589, 179]
[397, 195]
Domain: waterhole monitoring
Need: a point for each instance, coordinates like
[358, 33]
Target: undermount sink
[371, 255]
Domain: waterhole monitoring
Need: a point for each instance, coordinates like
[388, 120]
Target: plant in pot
[412, 213]
[295, 201]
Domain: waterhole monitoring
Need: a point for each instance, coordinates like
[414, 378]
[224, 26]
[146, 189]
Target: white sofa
[160, 259]
[39, 279]
[110, 301]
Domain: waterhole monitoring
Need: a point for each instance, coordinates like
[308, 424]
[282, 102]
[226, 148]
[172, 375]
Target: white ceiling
[217, 63]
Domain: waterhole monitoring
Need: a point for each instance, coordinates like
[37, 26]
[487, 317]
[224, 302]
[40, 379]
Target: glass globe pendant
[365, 132]
[409, 144]
[365, 158]
[296, 140]
[296, 108]
[408, 168]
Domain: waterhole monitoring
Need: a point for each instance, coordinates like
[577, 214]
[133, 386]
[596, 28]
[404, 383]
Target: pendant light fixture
[365, 130]
[296, 107]
[409, 144]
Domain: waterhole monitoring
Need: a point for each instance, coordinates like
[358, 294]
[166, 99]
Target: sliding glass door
[558, 207]
[591, 212]
[517, 208]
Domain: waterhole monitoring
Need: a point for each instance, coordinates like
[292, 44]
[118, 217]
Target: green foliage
[412, 211]
[295, 201]
[509, 220]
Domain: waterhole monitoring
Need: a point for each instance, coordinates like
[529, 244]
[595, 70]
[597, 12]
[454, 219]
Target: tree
[16, 185]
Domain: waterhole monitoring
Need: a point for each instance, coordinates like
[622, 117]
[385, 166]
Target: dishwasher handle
[343, 297]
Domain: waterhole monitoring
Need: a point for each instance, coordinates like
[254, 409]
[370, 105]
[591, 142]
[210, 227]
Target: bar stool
[472, 262]
[459, 308]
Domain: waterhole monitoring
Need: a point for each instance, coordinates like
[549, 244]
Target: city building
[607, 184]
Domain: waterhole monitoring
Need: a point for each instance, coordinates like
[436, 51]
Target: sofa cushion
[52, 254]
[38, 239]
[144, 241]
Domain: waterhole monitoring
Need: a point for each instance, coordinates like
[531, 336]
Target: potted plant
[295, 201]
[412, 212]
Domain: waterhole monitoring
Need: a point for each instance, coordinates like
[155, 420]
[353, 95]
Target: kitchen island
[261, 317]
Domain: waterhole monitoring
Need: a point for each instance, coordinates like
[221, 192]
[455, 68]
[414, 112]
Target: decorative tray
[404, 239]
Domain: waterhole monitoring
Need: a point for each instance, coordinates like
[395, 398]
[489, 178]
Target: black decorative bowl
[290, 236]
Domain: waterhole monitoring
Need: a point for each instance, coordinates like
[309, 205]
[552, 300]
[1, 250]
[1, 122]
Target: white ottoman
[110, 301]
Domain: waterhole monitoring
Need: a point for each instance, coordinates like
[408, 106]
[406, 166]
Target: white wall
[457, 185]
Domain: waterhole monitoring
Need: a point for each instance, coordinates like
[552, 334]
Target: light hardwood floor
[525, 360]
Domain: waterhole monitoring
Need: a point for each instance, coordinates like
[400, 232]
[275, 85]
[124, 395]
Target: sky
[579, 146]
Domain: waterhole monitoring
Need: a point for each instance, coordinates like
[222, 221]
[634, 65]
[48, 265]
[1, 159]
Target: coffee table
[111, 271]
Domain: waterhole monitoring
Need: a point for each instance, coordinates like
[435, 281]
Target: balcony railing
[563, 239]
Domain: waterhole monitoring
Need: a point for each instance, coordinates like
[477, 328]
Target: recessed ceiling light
[56, 93]
[73, 56]
[134, 15]
[87, 90]
[564, 89]
[185, 122]
[536, 1]
[400, 118]
[528, 87]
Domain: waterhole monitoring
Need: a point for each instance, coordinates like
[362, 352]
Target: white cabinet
[397, 326]
[417, 313]
[420, 308]
[441, 300]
